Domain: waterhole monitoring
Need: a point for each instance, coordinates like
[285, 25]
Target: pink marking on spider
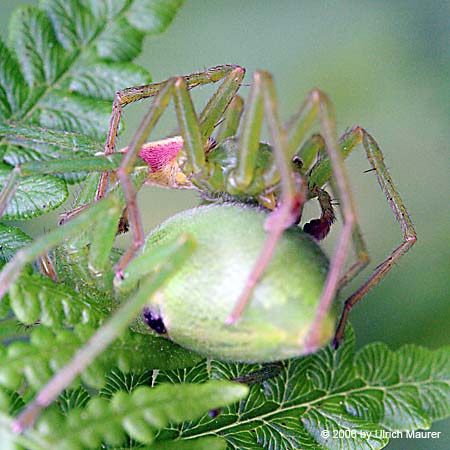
[159, 154]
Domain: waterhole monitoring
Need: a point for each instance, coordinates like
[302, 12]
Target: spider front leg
[230, 123]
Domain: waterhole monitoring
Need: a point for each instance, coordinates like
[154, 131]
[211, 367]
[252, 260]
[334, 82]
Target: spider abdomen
[196, 301]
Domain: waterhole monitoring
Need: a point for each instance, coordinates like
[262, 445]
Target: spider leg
[47, 268]
[220, 102]
[262, 101]
[317, 106]
[133, 94]
[361, 253]
[314, 146]
[323, 173]
[375, 157]
[123, 172]
[194, 134]
[232, 117]
[319, 228]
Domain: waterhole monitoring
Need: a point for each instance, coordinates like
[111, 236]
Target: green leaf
[34, 195]
[140, 414]
[47, 142]
[69, 59]
[420, 392]
[74, 24]
[73, 398]
[103, 79]
[299, 403]
[41, 144]
[140, 352]
[63, 110]
[49, 350]
[119, 381]
[120, 42]
[10, 328]
[41, 57]
[11, 238]
[37, 298]
[13, 88]
[11, 401]
[209, 443]
[161, 13]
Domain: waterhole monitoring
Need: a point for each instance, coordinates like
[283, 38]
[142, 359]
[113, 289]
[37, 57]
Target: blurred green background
[385, 65]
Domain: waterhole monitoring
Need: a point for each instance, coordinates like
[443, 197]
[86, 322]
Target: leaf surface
[66, 60]
[12, 238]
[34, 196]
[328, 400]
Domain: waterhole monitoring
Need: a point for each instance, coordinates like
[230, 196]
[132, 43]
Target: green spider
[280, 177]
[233, 166]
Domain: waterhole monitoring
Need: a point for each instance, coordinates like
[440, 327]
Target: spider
[218, 153]
[281, 177]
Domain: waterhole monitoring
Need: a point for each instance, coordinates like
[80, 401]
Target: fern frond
[316, 401]
[139, 414]
[37, 298]
[49, 351]
[65, 61]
